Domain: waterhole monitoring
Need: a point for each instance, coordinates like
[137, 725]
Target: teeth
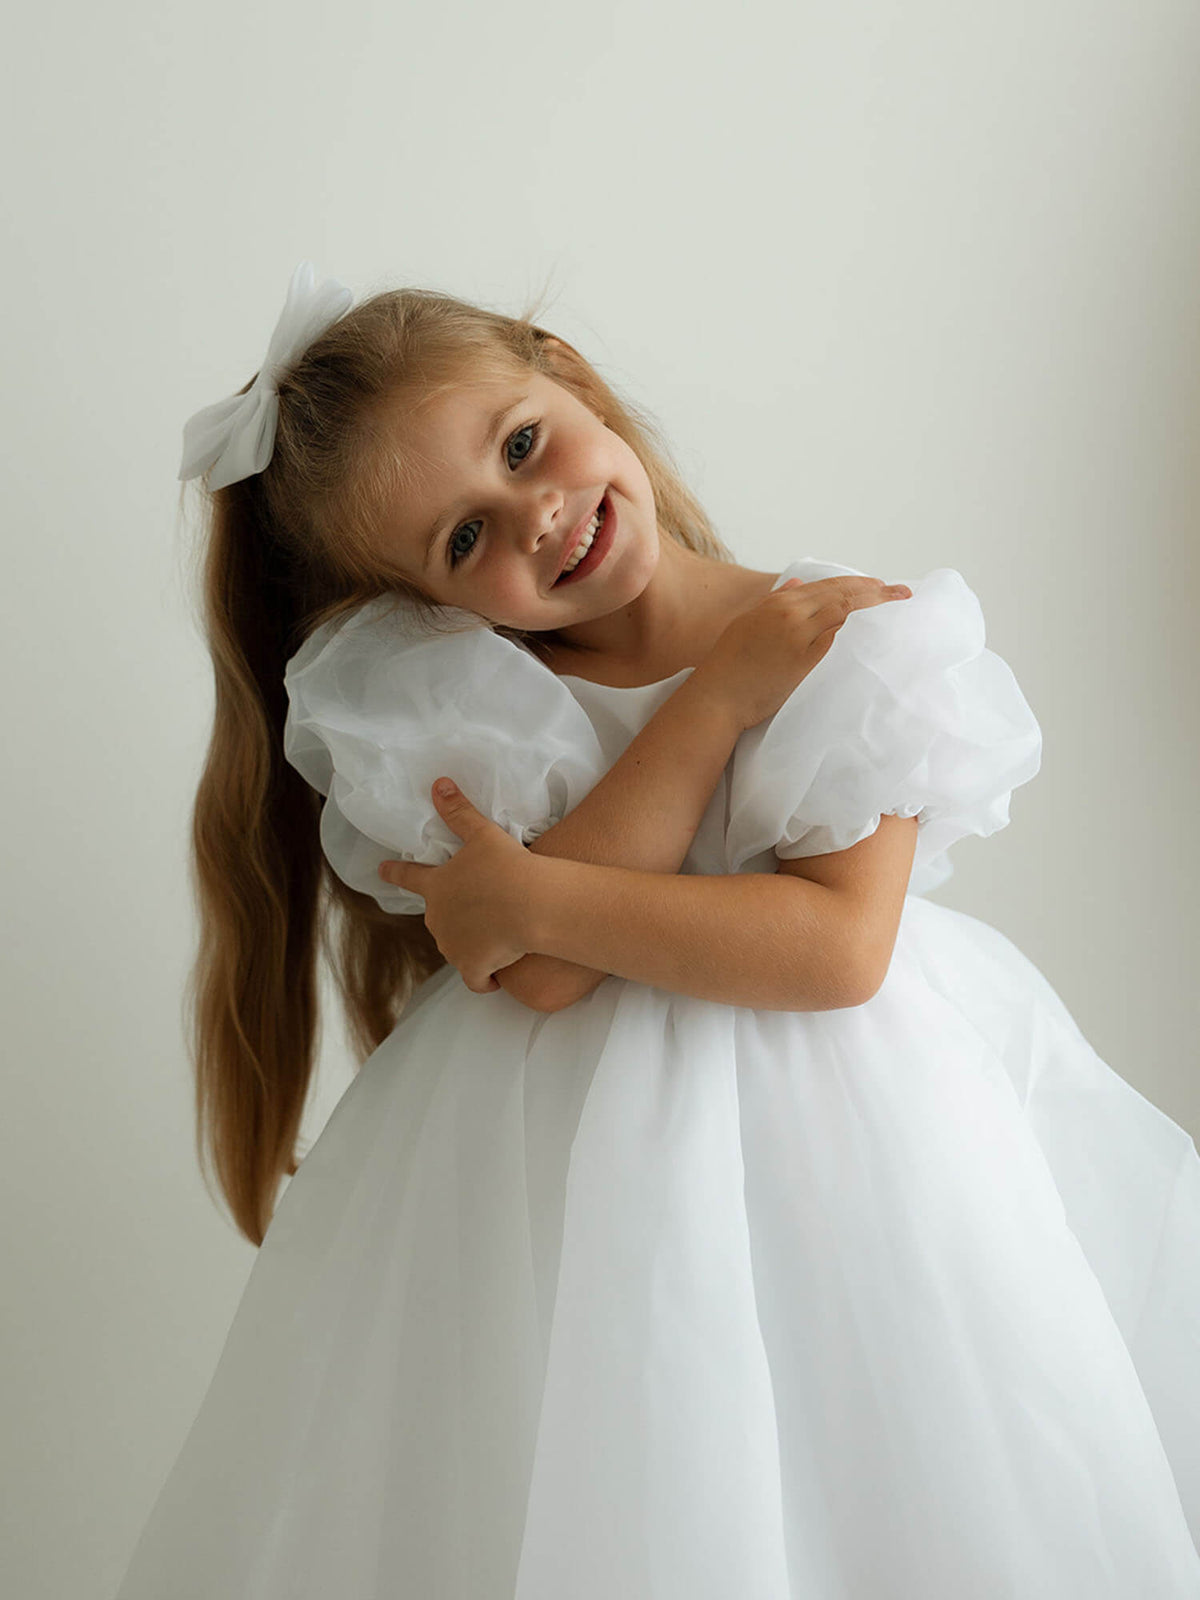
[585, 544]
[580, 550]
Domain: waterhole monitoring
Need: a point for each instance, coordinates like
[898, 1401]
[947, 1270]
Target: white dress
[656, 1298]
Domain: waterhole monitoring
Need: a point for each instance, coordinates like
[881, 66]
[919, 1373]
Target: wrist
[548, 891]
[536, 905]
[708, 699]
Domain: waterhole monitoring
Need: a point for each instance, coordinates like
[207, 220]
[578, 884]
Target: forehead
[462, 403]
[449, 429]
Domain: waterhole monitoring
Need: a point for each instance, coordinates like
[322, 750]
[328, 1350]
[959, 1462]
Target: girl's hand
[767, 650]
[477, 903]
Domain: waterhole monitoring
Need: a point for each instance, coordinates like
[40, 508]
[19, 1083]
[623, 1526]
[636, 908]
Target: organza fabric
[655, 1298]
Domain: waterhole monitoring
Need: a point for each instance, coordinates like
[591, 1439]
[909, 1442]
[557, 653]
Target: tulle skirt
[660, 1299]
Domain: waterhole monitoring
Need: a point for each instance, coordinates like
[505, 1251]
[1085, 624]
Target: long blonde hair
[280, 552]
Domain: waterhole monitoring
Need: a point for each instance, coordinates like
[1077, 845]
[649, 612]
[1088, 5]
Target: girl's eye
[455, 553]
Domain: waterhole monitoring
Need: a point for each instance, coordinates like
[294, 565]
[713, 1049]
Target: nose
[540, 518]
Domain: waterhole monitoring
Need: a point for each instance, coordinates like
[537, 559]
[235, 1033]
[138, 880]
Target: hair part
[281, 552]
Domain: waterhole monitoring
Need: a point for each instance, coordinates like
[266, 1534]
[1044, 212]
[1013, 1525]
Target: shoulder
[381, 680]
[909, 713]
[908, 662]
[379, 707]
[388, 637]
[940, 624]
[386, 627]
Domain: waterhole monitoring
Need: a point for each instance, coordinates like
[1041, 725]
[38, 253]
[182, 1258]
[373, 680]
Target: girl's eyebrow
[494, 426]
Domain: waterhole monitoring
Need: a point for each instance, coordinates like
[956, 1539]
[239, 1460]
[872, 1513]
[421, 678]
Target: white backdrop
[908, 285]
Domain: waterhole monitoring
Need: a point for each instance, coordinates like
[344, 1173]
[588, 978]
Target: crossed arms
[816, 935]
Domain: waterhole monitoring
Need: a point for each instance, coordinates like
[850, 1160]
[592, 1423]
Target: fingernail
[444, 786]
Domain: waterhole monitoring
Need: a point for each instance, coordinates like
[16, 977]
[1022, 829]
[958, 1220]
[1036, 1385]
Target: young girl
[714, 1217]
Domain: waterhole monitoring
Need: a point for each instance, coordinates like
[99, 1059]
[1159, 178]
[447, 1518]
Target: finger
[855, 590]
[405, 874]
[457, 810]
[885, 592]
[845, 586]
[871, 591]
[850, 594]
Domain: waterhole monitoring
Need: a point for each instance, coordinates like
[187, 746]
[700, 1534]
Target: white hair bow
[235, 437]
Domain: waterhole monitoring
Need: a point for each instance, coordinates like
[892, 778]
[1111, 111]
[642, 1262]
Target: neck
[679, 594]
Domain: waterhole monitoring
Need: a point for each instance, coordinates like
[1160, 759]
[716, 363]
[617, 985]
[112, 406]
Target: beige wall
[907, 285]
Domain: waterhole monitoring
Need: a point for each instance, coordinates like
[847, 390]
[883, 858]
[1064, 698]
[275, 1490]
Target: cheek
[579, 460]
[507, 592]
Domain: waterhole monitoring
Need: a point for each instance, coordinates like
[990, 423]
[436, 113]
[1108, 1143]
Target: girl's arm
[779, 942]
[642, 815]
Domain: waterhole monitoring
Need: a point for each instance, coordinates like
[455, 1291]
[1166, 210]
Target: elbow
[526, 986]
[544, 1005]
[866, 945]
[568, 994]
[865, 972]
[568, 987]
[538, 982]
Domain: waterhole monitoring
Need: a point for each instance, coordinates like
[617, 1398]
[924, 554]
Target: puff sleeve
[377, 710]
[907, 713]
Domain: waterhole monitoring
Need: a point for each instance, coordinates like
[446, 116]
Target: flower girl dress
[655, 1298]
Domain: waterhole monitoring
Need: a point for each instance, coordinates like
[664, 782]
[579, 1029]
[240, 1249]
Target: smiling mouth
[601, 541]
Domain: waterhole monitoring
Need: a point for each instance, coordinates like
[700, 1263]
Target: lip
[599, 547]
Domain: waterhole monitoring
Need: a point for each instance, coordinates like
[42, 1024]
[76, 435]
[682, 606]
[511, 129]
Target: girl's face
[508, 476]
